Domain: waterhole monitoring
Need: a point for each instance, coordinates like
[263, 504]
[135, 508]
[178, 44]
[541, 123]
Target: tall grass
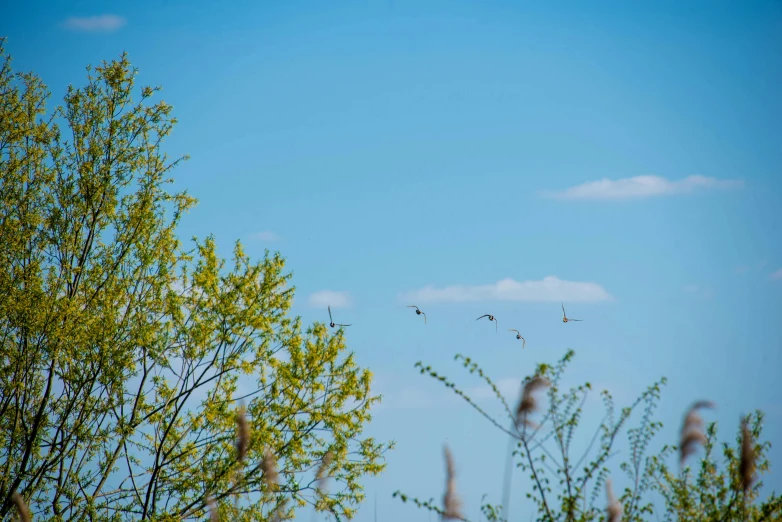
[565, 485]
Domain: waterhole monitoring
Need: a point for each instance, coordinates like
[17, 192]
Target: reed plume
[242, 435]
[615, 507]
[747, 461]
[692, 430]
[213, 515]
[452, 504]
[528, 403]
[21, 507]
[269, 469]
[278, 512]
[325, 462]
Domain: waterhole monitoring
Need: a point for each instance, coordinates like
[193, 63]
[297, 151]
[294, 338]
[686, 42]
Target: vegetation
[567, 487]
[124, 355]
[719, 493]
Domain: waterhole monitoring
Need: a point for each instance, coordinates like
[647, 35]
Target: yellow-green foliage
[567, 487]
[706, 491]
[121, 351]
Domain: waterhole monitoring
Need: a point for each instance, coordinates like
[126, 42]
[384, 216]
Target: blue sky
[481, 157]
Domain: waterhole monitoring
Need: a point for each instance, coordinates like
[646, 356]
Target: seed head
[279, 510]
[452, 504]
[323, 469]
[269, 469]
[748, 456]
[21, 507]
[692, 433]
[615, 507]
[213, 515]
[242, 435]
[528, 403]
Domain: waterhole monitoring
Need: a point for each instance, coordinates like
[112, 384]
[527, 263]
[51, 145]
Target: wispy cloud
[509, 388]
[100, 23]
[777, 275]
[408, 398]
[400, 392]
[550, 288]
[325, 298]
[743, 269]
[642, 187]
[266, 235]
[703, 292]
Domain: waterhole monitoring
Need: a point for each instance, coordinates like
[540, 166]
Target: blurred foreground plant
[565, 486]
[717, 493]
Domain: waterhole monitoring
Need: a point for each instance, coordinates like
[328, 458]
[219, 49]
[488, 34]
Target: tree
[124, 354]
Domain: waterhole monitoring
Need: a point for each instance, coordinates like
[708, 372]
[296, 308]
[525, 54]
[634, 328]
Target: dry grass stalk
[615, 507]
[692, 430]
[278, 512]
[242, 435]
[688, 443]
[452, 504]
[325, 462]
[213, 515]
[269, 469]
[21, 507]
[747, 462]
[528, 402]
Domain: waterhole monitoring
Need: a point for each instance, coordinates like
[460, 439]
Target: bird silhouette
[491, 318]
[332, 323]
[518, 336]
[565, 318]
[418, 311]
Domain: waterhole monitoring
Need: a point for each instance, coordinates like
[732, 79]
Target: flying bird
[332, 323]
[518, 336]
[418, 311]
[565, 318]
[491, 318]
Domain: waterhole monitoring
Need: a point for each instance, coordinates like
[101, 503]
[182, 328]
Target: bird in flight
[418, 311]
[491, 318]
[565, 318]
[332, 323]
[518, 336]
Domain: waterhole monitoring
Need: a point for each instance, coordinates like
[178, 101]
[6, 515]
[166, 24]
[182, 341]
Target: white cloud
[325, 298]
[509, 388]
[408, 398]
[776, 275]
[100, 23]
[403, 392]
[642, 186]
[550, 288]
[745, 268]
[703, 292]
[266, 235]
